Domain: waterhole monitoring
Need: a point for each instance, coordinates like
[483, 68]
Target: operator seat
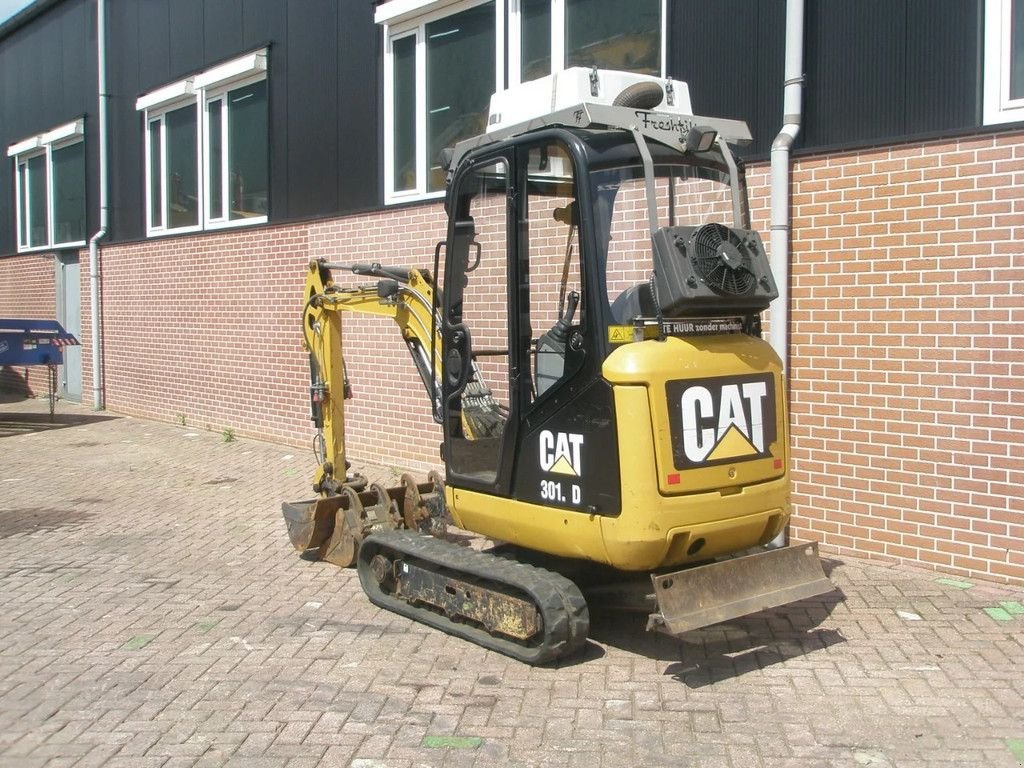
[635, 301]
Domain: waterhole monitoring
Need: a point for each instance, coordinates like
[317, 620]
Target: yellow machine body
[714, 510]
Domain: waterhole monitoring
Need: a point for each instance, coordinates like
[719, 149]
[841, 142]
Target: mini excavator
[589, 340]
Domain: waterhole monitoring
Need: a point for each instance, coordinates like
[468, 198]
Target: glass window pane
[216, 159]
[478, 284]
[182, 174]
[404, 133]
[1017, 50]
[156, 198]
[552, 243]
[614, 35]
[460, 81]
[247, 151]
[536, 39]
[69, 193]
[23, 204]
[38, 222]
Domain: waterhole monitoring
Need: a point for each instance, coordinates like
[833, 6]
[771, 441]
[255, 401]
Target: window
[551, 282]
[50, 188]
[614, 35]
[440, 72]
[1004, 61]
[477, 281]
[611, 34]
[207, 149]
[444, 60]
[534, 39]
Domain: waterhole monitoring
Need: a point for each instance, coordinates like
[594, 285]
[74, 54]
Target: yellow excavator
[589, 340]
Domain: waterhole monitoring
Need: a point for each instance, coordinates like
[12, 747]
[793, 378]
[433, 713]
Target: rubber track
[563, 609]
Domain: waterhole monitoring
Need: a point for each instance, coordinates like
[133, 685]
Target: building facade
[245, 138]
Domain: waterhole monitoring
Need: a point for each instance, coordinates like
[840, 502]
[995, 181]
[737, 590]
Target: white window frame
[998, 106]
[42, 145]
[200, 89]
[219, 92]
[402, 18]
[158, 115]
[558, 51]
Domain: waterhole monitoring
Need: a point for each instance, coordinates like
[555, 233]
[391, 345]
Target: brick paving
[152, 613]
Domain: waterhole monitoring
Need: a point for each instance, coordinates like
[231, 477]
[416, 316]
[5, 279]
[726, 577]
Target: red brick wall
[27, 290]
[205, 330]
[906, 367]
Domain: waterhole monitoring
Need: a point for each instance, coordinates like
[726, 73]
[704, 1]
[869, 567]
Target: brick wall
[906, 367]
[205, 331]
[27, 290]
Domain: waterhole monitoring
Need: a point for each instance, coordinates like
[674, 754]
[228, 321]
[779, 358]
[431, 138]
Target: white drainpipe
[791, 114]
[94, 255]
[780, 228]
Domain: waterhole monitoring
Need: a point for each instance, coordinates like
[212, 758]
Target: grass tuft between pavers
[957, 583]
[999, 614]
[452, 742]
[1016, 747]
[137, 642]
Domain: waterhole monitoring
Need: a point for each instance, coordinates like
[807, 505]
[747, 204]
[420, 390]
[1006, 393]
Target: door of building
[69, 314]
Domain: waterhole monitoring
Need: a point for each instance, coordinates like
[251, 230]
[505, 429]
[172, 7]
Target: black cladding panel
[360, 168]
[47, 79]
[263, 20]
[323, 78]
[856, 66]
[222, 29]
[724, 51]
[187, 34]
[876, 71]
[152, 38]
[124, 70]
[312, 82]
[941, 87]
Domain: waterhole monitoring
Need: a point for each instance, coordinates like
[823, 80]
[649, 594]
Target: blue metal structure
[35, 342]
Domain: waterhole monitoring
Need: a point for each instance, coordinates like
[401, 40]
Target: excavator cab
[590, 245]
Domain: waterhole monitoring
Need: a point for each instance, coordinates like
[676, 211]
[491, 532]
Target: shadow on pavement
[727, 650]
[22, 422]
[29, 520]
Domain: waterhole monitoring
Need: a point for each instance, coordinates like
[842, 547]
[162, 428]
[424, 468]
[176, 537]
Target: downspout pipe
[778, 334]
[780, 167]
[94, 241]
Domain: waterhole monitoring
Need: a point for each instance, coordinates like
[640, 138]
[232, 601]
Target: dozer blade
[707, 594]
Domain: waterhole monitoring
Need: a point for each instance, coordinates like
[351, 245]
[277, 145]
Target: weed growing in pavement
[229, 435]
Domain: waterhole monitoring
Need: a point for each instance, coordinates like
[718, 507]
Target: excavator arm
[347, 508]
[404, 295]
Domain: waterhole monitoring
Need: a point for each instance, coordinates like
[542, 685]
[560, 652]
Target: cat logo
[721, 420]
[561, 453]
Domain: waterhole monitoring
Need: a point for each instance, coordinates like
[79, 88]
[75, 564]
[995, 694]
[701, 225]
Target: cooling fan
[722, 260]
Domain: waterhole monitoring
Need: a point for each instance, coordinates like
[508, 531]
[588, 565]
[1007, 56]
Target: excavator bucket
[336, 525]
[707, 594]
[311, 522]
